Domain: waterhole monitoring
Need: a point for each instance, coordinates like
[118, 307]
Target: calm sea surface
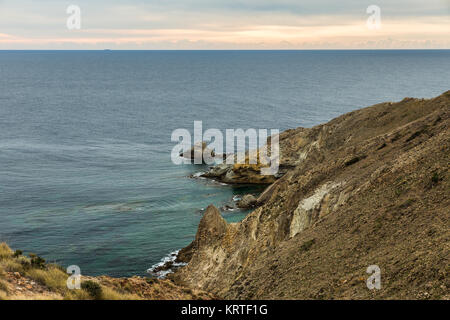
[85, 170]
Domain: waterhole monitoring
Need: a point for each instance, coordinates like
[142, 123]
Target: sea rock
[185, 254]
[218, 171]
[205, 151]
[247, 201]
[168, 265]
[239, 174]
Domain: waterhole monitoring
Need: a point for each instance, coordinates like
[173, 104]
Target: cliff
[370, 187]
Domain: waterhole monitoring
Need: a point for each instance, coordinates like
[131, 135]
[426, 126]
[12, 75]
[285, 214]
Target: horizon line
[324, 49]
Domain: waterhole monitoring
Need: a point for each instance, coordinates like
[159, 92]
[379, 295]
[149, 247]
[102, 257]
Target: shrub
[25, 262]
[17, 253]
[37, 262]
[93, 288]
[435, 178]
[307, 245]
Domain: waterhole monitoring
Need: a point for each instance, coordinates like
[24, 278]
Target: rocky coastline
[369, 187]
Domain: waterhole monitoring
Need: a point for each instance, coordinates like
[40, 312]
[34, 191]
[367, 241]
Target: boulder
[190, 154]
[247, 201]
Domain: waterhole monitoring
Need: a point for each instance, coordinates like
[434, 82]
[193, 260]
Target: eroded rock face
[369, 187]
[308, 210]
[211, 229]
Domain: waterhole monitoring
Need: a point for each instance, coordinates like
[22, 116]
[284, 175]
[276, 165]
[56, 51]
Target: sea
[86, 176]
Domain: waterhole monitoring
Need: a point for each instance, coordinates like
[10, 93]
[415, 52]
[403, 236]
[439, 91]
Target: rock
[166, 266]
[191, 153]
[211, 228]
[218, 171]
[228, 207]
[248, 201]
[239, 174]
[185, 254]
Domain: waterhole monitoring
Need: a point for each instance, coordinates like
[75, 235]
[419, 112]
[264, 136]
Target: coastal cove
[86, 175]
[392, 153]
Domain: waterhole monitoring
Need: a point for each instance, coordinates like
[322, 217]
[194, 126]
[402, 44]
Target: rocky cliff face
[368, 188]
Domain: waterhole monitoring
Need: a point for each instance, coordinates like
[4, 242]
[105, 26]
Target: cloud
[231, 24]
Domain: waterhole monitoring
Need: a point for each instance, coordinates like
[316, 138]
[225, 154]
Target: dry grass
[4, 287]
[5, 251]
[77, 295]
[34, 297]
[3, 296]
[51, 277]
[11, 265]
[110, 294]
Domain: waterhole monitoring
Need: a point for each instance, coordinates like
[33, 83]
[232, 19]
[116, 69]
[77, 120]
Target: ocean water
[85, 170]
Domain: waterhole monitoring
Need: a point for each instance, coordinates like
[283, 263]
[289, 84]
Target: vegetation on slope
[25, 278]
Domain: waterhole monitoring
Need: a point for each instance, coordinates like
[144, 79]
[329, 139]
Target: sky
[225, 24]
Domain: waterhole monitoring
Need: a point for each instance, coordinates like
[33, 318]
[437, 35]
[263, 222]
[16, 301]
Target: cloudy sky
[224, 24]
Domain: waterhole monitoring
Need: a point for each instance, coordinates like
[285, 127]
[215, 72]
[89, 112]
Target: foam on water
[171, 257]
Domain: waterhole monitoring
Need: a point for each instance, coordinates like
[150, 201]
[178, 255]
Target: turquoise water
[85, 170]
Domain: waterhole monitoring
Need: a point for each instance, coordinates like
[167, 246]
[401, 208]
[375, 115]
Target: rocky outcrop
[239, 174]
[212, 227]
[201, 148]
[369, 187]
[311, 208]
[247, 201]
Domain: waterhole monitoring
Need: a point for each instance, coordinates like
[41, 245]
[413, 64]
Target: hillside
[370, 187]
[31, 278]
